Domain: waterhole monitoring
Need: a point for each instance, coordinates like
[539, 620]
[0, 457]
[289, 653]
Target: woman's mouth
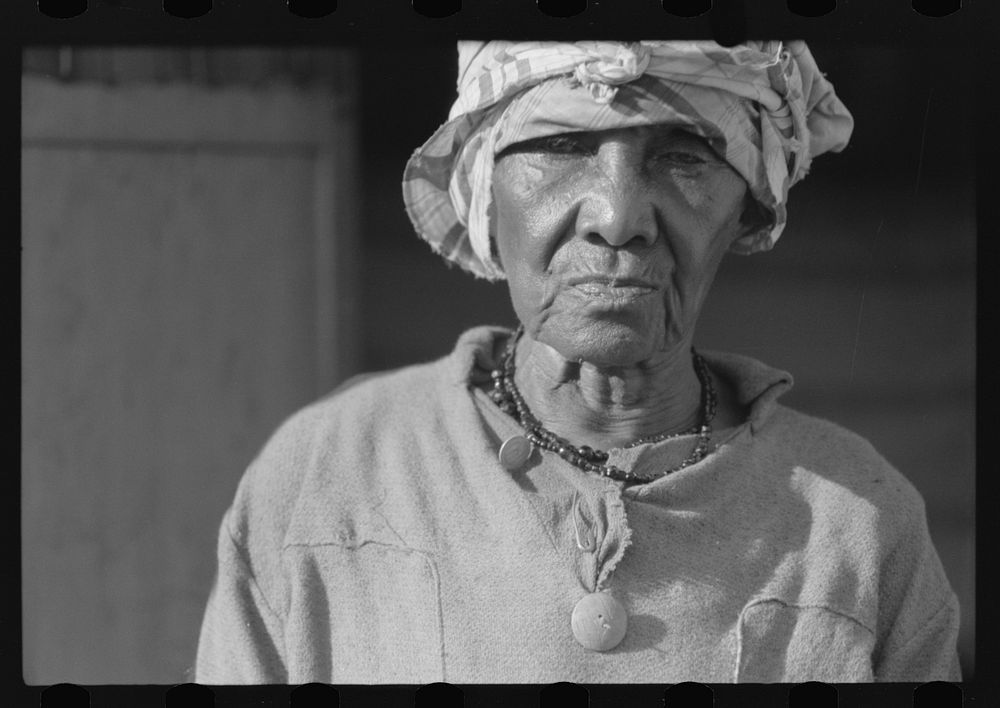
[618, 290]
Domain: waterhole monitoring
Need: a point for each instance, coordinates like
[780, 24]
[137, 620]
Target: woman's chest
[493, 602]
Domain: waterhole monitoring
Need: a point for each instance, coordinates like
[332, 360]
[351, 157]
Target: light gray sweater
[377, 539]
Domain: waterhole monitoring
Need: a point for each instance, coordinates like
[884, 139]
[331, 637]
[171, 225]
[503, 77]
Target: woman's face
[611, 239]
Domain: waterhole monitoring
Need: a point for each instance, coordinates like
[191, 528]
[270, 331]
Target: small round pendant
[514, 452]
[599, 621]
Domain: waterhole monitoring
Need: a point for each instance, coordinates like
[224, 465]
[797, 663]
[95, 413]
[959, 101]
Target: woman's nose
[616, 203]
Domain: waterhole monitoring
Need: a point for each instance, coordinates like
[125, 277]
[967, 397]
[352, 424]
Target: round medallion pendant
[515, 452]
[599, 621]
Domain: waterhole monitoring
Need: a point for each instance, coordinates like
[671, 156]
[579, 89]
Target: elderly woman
[588, 498]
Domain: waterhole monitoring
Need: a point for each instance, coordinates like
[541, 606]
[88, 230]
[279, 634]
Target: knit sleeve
[919, 619]
[241, 635]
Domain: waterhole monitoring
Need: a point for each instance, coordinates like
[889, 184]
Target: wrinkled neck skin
[608, 407]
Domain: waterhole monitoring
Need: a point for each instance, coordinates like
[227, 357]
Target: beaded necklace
[507, 396]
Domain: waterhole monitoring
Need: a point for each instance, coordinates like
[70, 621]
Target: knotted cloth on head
[763, 106]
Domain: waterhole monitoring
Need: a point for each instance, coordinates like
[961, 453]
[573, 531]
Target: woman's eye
[683, 157]
[561, 145]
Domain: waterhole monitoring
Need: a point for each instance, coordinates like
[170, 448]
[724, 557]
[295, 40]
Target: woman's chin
[606, 343]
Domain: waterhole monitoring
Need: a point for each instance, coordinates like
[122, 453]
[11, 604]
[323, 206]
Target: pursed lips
[612, 288]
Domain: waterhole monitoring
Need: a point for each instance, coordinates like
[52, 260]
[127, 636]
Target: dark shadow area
[938, 694]
[439, 695]
[813, 694]
[314, 695]
[563, 695]
[65, 695]
[689, 694]
[312, 8]
[189, 695]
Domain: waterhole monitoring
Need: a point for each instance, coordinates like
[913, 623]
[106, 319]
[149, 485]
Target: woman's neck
[608, 407]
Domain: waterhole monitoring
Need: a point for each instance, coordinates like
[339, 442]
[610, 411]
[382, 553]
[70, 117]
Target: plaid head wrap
[763, 106]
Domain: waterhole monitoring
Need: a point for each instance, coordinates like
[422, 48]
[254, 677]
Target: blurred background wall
[214, 238]
[189, 272]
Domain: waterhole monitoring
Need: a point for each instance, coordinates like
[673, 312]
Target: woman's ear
[491, 214]
[494, 253]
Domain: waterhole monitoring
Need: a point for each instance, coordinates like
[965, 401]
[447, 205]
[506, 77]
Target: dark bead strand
[506, 395]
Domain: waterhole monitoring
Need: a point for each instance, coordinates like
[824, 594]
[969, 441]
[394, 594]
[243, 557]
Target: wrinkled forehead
[558, 106]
